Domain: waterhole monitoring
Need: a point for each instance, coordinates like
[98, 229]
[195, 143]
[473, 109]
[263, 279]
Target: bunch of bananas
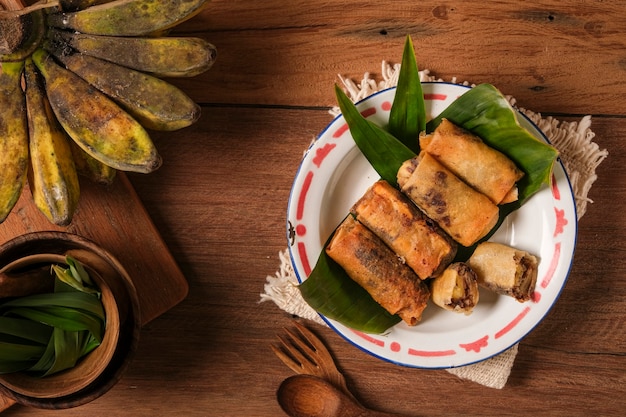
[80, 89]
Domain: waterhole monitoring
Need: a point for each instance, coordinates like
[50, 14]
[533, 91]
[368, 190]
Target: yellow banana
[13, 136]
[90, 167]
[155, 103]
[52, 178]
[128, 17]
[96, 123]
[162, 56]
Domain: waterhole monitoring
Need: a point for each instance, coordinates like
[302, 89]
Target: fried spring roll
[456, 289]
[371, 264]
[464, 213]
[479, 165]
[505, 270]
[415, 238]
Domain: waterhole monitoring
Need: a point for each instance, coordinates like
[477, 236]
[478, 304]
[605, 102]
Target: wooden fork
[304, 353]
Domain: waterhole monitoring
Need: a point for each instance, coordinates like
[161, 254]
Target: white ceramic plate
[334, 174]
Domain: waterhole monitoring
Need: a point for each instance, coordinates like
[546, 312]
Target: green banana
[52, 176]
[162, 57]
[91, 168]
[155, 103]
[95, 122]
[128, 17]
[13, 136]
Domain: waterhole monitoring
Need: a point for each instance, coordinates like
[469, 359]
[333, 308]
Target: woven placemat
[579, 154]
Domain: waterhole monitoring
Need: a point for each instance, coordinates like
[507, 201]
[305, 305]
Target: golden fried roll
[371, 264]
[456, 289]
[415, 238]
[464, 213]
[505, 270]
[479, 165]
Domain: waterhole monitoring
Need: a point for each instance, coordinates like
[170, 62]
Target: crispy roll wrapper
[479, 165]
[505, 270]
[464, 213]
[415, 238]
[456, 289]
[374, 266]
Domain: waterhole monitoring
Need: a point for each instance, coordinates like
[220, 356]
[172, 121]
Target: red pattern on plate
[477, 345]
[513, 323]
[555, 188]
[322, 153]
[369, 338]
[431, 353]
[553, 264]
[340, 131]
[441, 97]
[561, 223]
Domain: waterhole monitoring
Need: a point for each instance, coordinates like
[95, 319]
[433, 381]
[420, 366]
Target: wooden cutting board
[113, 217]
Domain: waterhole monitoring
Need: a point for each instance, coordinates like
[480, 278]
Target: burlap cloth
[579, 154]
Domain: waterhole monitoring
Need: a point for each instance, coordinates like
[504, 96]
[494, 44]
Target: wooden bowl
[100, 370]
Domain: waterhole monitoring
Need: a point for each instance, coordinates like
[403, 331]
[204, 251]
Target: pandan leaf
[20, 352]
[10, 366]
[27, 330]
[79, 271]
[66, 351]
[46, 333]
[330, 291]
[71, 300]
[383, 151]
[73, 278]
[407, 118]
[62, 317]
[484, 111]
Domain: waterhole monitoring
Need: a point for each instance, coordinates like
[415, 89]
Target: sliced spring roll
[456, 289]
[371, 264]
[464, 213]
[505, 270]
[484, 168]
[405, 229]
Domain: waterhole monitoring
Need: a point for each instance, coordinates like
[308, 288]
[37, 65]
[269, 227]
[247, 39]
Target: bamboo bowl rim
[109, 269]
[88, 367]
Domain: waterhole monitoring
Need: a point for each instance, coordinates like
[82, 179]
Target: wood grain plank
[560, 57]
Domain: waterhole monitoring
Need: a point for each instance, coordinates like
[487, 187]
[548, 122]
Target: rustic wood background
[220, 202]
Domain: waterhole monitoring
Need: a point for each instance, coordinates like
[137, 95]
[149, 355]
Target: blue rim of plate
[401, 345]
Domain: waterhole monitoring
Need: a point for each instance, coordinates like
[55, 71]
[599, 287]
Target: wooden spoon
[310, 396]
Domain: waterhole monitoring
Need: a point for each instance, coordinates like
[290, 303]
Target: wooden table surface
[220, 199]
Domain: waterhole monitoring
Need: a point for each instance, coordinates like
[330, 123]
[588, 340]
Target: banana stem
[12, 5]
[15, 26]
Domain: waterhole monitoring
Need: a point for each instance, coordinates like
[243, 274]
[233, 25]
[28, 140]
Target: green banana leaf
[330, 291]
[381, 148]
[484, 111]
[407, 118]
